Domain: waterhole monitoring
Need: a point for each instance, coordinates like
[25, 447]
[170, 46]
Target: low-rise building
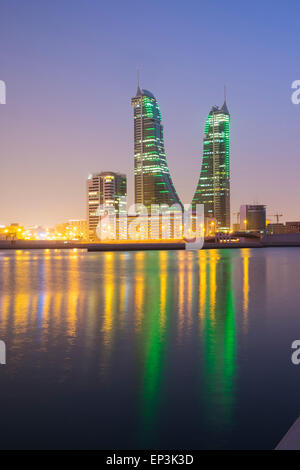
[274, 229]
[292, 227]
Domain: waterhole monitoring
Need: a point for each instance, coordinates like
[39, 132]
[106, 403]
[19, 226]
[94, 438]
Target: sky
[70, 68]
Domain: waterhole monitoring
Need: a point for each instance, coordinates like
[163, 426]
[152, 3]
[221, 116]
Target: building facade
[253, 218]
[103, 188]
[71, 230]
[292, 227]
[213, 189]
[275, 228]
[153, 183]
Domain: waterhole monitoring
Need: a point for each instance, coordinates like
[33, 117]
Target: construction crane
[277, 216]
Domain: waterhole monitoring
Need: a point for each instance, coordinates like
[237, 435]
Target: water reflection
[98, 313]
[246, 257]
[152, 341]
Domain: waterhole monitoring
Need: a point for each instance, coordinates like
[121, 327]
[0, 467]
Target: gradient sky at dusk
[70, 69]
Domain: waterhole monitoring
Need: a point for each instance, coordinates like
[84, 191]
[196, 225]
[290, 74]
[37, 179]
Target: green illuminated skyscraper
[213, 189]
[153, 183]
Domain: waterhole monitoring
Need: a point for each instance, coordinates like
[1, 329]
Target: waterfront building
[14, 231]
[105, 188]
[153, 183]
[275, 228]
[236, 227]
[253, 218]
[292, 227]
[163, 226]
[213, 189]
[71, 230]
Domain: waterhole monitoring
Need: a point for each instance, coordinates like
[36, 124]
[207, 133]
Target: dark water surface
[170, 349]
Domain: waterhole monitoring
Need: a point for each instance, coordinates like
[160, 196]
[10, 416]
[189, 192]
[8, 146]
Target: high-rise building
[103, 188]
[153, 183]
[253, 218]
[213, 189]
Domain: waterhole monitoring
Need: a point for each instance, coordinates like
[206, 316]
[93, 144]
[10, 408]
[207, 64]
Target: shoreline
[290, 240]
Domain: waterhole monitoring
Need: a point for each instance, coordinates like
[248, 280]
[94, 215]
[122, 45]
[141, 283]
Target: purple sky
[70, 69]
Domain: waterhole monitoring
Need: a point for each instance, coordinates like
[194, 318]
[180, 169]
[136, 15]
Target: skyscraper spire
[138, 92]
[224, 107]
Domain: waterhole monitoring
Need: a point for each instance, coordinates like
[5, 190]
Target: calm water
[149, 349]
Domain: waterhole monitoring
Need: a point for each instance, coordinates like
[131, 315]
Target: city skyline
[67, 112]
[216, 126]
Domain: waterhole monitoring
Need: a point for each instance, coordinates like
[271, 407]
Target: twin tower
[153, 183]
